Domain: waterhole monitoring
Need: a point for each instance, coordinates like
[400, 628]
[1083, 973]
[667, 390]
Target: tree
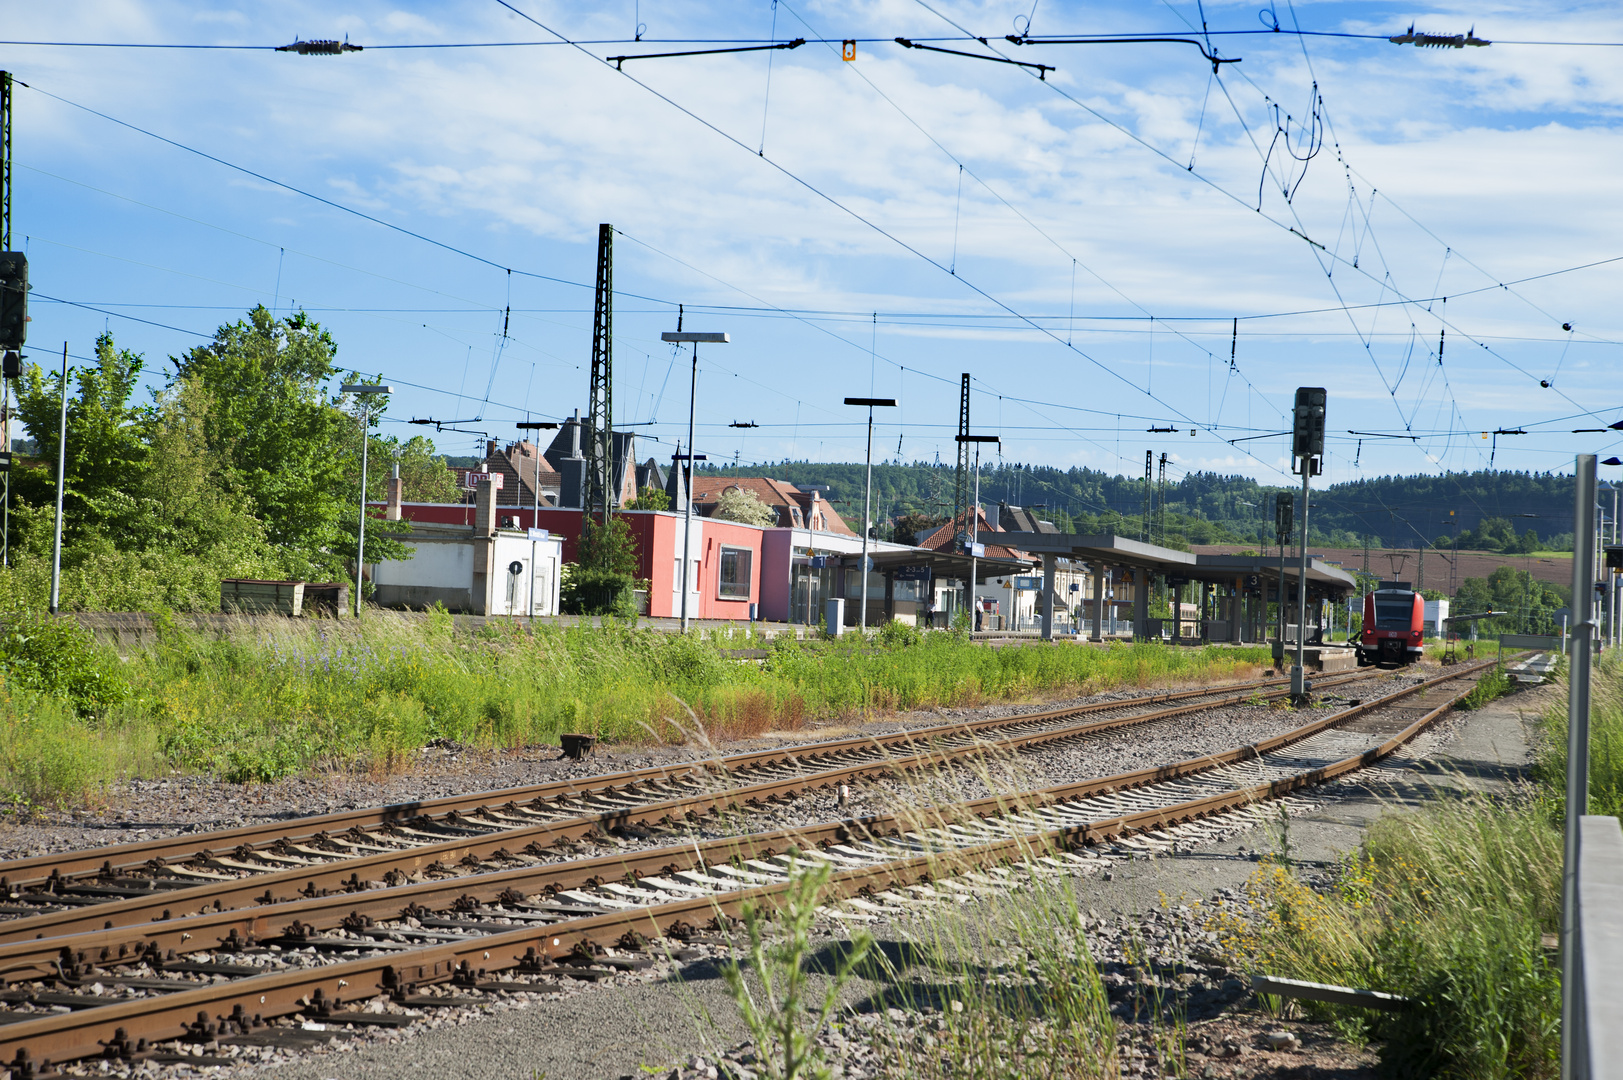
[744, 507]
[424, 474]
[650, 498]
[284, 442]
[281, 439]
[106, 441]
[909, 526]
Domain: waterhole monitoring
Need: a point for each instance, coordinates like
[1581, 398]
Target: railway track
[236, 975]
[125, 884]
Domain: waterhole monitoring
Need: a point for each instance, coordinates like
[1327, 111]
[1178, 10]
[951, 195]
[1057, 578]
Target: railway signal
[1307, 447]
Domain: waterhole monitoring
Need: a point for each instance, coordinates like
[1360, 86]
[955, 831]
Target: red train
[1393, 618]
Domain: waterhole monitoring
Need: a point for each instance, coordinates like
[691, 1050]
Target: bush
[596, 592]
[55, 656]
[897, 634]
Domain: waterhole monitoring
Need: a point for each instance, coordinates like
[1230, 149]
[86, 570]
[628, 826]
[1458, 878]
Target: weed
[787, 1015]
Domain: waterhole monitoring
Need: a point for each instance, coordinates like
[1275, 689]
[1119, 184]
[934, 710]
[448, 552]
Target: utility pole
[599, 493]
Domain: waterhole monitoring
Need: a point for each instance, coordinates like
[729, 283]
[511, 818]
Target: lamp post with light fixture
[364, 391]
[867, 508]
[694, 338]
[975, 514]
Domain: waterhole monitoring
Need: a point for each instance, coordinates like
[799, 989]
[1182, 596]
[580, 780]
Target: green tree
[744, 507]
[284, 441]
[650, 498]
[106, 445]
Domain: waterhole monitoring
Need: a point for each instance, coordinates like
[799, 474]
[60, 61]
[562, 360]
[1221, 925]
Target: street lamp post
[975, 514]
[365, 392]
[693, 338]
[867, 507]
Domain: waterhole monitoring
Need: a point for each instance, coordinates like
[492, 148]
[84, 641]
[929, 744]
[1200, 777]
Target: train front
[1393, 616]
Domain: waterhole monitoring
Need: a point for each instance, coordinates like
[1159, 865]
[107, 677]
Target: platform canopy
[948, 564]
[1112, 550]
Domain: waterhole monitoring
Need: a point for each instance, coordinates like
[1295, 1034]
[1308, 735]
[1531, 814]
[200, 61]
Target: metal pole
[1573, 1037]
[5, 514]
[687, 488]
[61, 482]
[867, 526]
[1297, 687]
[360, 533]
[535, 523]
[974, 538]
[1281, 540]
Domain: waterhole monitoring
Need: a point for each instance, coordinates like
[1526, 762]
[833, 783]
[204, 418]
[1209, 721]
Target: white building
[479, 569]
[1432, 620]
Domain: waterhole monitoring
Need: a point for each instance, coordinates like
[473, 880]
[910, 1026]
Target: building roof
[944, 538]
[522, 469]
[1020, 519]
[795, 508]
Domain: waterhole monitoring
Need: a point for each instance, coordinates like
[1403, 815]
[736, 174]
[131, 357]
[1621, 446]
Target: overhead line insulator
[320, 48]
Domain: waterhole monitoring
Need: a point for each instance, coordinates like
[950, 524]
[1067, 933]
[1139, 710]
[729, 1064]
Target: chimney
[490, 449]
[484, 514]
[391, 512]
[574, 435]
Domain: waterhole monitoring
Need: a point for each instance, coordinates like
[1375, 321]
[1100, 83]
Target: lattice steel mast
[960, 492]
[599, 494]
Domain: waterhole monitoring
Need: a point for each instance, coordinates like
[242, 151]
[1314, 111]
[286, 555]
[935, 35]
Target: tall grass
[1011, 985]
[271, 699]
[1605, 743]
[1447, 907]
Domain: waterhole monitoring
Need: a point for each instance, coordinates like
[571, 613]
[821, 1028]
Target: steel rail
[85, 1033]
[19, 873]
[354, 873]
[229, 918]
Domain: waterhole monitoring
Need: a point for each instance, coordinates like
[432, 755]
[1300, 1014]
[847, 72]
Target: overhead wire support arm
[617, 61]
[1211, 56]
[1041, 69]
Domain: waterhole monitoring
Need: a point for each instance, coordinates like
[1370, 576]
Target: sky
[1129, 241]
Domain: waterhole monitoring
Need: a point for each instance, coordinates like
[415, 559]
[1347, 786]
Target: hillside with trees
[1497, 511]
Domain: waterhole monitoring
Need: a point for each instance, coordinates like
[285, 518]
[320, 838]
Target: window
[1393, 614]
[735, 573]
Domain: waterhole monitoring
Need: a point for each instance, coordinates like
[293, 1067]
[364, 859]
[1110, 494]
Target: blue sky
[1081, 244]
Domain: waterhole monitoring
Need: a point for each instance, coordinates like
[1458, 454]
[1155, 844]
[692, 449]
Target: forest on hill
[1488, 510]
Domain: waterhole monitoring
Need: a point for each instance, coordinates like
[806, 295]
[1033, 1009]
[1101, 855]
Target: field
[1402, 564]
[262, 703]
